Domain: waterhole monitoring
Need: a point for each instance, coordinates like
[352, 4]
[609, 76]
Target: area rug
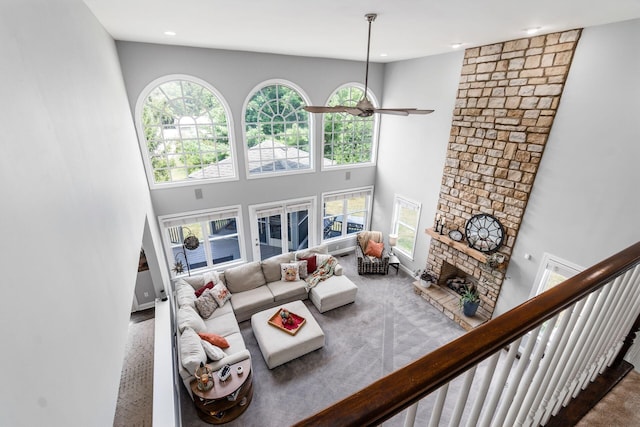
[135, 397]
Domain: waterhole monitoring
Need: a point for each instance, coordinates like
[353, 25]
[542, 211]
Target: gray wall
[74, 202]
[585, 202]
[235, 74]
[412, 149]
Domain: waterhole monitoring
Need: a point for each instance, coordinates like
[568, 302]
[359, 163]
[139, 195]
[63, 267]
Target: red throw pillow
[374, 249]
[204, 288]
[311, 263]
[214, 339]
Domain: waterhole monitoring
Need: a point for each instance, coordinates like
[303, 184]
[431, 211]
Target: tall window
[345, 213]
[406, 214]
[219, 239]
[277, 131]
[185, 129]
[348, 139]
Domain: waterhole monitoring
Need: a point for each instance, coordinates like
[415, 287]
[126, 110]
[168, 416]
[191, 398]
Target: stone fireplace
[507, 98]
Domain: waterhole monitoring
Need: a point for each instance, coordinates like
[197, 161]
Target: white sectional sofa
[254, 286]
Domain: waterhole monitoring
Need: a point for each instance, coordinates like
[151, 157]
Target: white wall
[585, 202]
[412, 149]
[74, 201]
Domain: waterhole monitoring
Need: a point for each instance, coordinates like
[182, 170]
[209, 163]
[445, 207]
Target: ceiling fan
[364, 107]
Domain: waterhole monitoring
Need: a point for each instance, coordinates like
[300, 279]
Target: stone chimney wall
[507, 99]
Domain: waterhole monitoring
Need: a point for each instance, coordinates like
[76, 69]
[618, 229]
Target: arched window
[277, 131]
[348, 139]
[184, 125]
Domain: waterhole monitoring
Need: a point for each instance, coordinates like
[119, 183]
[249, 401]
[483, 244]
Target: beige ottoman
[278, 346]
[332, 293]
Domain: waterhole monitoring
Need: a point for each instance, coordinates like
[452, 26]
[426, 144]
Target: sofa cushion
[271, 266]
[223, 325]
[244, 277]
[191, 351]
[215, 339]
[290, 272]
[305, 253]
[226, 309]
[188, 318]
[195, 281]
[185, 294]
[247, 303]
[287, 290]
[213, 352]
[206, 304]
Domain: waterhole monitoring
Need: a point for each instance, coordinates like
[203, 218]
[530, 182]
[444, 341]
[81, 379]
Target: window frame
[344, 195]
[148, 166]
[374, 138]
[311, 126]
[234, 211]
[283, 207]
[398, 200]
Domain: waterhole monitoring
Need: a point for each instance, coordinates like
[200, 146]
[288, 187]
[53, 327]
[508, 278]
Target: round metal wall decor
[191, 242]
[484, 233]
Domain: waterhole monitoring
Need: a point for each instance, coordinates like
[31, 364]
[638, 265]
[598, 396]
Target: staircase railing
[520, 368]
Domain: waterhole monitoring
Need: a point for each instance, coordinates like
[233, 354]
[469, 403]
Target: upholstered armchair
[368, 263]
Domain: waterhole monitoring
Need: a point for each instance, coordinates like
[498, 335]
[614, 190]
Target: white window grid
[348, 140]
[185, 132]
[278, 138]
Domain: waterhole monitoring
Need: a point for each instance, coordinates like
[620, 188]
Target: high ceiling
[404, 29]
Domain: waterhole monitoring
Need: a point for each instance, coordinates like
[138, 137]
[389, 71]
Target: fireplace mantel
[460, 246]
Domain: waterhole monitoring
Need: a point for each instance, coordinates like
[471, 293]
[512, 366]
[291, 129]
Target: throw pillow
[290, 271]
[374, 249]
[206, 304]
[302, 269]
[199, 292]
[213, 352]
[311, 263]
[191, 351]
[215, 339]
[221, 294]
[188, 318]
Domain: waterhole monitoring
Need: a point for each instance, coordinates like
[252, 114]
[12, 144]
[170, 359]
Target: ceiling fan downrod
[370, 17]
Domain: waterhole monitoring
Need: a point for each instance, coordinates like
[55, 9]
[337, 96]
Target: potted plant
[469, 301]
[425, 278]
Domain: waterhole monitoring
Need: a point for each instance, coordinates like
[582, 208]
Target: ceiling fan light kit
[364, 107]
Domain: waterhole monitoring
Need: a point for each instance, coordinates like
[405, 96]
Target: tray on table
[276, 320]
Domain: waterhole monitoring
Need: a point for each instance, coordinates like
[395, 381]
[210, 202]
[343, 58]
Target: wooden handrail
[395, 392]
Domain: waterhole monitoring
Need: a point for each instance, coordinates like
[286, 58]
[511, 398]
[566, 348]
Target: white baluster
[462, 399]
[484, 388]
[436, 413]
[410, 419]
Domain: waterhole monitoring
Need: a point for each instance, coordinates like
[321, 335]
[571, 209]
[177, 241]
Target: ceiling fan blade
[402, 111]
[325, 109]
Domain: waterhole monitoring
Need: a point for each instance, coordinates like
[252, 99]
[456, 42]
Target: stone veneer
[507, 99]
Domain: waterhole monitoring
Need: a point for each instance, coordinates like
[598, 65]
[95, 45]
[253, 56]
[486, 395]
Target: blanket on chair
[323, 272]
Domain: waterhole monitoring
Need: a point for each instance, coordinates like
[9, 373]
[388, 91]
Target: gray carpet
[386, 328]
[135, 397]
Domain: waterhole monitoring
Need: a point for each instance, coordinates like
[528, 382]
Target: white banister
[559, 358]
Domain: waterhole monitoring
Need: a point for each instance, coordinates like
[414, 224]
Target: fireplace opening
[455, 279]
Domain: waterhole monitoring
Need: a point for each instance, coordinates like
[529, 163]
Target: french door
[282, 227]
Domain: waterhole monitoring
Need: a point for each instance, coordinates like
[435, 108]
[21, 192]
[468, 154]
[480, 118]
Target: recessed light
[456, 45]
[169, 33]
[532, 30]
[384, 54]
